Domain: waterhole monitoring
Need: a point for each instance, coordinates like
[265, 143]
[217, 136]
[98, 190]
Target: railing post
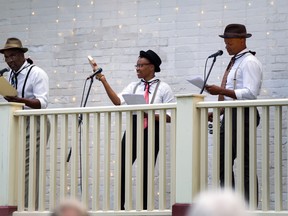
[8, 158]
[187, 152]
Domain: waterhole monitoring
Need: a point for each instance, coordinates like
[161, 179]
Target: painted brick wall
[60, 34]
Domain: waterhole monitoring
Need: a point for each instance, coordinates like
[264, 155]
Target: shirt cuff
[238, 94]
[44, 104]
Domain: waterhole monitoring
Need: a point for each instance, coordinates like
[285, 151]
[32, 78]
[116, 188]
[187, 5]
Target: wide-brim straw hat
[13, 43]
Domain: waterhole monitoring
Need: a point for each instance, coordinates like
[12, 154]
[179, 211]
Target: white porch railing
[95, 177]
[268, 151]
[183, 169]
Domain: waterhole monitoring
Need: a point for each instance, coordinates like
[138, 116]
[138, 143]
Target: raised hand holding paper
[95, 68]
[92, 63]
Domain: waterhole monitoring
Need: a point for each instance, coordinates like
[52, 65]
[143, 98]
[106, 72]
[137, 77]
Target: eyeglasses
[10, 58]
[141, 65]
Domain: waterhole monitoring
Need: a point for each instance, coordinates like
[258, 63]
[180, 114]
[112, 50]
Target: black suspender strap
[26, 78]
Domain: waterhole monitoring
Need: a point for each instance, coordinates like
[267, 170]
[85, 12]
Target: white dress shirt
[37, 85]
[164, 93]
[248, 78]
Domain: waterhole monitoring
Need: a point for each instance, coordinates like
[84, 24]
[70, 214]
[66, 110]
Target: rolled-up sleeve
[41, 88]
[252, 80]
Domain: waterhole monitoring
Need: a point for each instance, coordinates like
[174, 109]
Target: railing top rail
[243, 103]
[124, 108]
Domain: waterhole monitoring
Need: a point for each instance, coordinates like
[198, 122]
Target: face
[14, 58]
[235, 45]
[144, 69]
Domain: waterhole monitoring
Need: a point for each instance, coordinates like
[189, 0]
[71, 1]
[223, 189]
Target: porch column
[187, 152]
[8, 158]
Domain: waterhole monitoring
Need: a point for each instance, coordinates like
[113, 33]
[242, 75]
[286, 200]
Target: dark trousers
[27, 159]
[234, 149]
[134, 155]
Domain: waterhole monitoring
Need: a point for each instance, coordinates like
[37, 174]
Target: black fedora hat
[235, 31]
[152, 57]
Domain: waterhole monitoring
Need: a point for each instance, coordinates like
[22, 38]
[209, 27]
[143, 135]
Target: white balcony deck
[187, 161]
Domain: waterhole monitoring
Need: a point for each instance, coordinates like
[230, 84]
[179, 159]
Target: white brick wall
[182, 32]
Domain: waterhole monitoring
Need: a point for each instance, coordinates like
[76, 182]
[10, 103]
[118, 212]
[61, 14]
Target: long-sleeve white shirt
[164, 93]
[37, 85]
[248, 77]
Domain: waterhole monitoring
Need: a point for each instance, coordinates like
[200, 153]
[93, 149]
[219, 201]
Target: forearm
[110, 92]
[228, 93]
[32, 103]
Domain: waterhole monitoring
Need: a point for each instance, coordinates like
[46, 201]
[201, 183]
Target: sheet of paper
[131, 99]
[197, 81]
[6, 89]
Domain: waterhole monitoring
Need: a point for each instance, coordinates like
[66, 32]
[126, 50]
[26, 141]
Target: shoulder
[38, 71]
[130, 88]
[38, 74]
[166, 93]
[252, 59]
[134, 83]
[164, 85]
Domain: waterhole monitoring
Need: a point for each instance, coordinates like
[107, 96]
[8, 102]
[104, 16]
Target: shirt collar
[241, 54]
[154, 78]
[21, 70]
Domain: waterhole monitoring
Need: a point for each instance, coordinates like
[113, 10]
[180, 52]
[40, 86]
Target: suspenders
[26, 78]
[235, 74]
[154, 93]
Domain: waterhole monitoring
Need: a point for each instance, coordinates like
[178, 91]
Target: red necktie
[146, 97]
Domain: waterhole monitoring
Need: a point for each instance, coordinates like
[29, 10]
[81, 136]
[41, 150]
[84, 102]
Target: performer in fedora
[154, 91]
[241, 81]
[32, 85]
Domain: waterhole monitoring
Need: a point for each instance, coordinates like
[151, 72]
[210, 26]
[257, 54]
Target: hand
[13, 99]
[93, 63]
[213, 89]
[99, 76]
[210, 116]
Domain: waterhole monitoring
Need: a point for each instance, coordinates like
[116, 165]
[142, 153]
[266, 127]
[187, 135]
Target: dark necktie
[224, 79]
[14, 80]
